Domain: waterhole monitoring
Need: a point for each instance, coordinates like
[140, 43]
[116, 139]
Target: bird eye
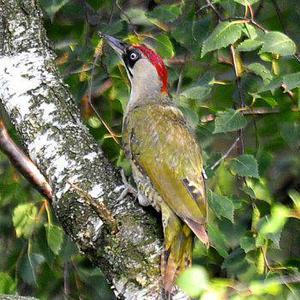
[133, 56]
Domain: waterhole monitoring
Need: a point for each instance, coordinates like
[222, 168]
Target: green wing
[163, 147]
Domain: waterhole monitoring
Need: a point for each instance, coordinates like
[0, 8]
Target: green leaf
[261, 71]
[271, 287]
[167, 12]
[250, 31]
[55, 237]
[225, 33]
[193, 281]
[24, 219]
[288, 82]
[245, 165]
[7, 285]
[246, 2]
[247, 190]
[164, 46]
[200, 92]
[247, 243]
[222, 206]
[217, 239]
[235, 263]
[190, 33]
[136, 16]
[249, 45]
[291, 81]
[229, 120]
[277, 43]
[279, 214]
[261, 189]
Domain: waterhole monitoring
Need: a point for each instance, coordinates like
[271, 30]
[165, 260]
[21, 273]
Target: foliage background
[254, 191]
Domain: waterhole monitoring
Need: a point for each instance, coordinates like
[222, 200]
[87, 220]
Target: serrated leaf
[225, 33]
[261, 71]
[24, 219]
[217, 239]
[229, 120]
[55, 237]
[193, 281]
[249, 45]
[164, 46]
[278, 43]
[7, 285]
[245, 165]
[222, 206]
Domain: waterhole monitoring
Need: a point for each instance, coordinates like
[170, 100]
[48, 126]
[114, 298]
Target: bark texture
[85, 194]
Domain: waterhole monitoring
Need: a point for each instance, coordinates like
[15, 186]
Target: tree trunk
[116, 235]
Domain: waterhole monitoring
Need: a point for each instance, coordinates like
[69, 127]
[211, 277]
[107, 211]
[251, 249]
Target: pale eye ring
[133, 56]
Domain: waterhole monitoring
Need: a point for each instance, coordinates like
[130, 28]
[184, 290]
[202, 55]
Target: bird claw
[126, 188]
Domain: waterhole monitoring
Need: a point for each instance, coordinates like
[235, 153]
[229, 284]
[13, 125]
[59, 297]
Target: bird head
[145, 68]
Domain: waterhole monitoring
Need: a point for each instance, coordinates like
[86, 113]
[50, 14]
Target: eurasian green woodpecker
[165, 157]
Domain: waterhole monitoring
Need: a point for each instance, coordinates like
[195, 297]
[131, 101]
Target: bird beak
[117, 45]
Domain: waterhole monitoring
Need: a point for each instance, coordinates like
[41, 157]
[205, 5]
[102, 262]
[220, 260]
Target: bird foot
[126, 188]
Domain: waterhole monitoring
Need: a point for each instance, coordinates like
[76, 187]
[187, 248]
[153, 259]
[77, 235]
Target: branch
[225, 155]
[23, 164]
[250, 111]
[218, 14]
[47, 120]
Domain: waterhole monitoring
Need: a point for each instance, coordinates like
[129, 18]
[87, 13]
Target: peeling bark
[43, 113]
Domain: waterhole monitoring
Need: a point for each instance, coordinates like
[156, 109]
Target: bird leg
[126, 188]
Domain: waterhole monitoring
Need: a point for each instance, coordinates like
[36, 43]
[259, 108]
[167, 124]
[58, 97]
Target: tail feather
[199, 231]
[177, 255]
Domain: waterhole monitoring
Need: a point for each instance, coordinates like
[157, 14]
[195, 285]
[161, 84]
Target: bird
[165, 158]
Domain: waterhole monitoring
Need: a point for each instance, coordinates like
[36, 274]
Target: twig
[22, 163]
[112, 134]
[240, 145]
[224, 156]
[218, 14]
[66, 280]
[176, 60]
[258, 9]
